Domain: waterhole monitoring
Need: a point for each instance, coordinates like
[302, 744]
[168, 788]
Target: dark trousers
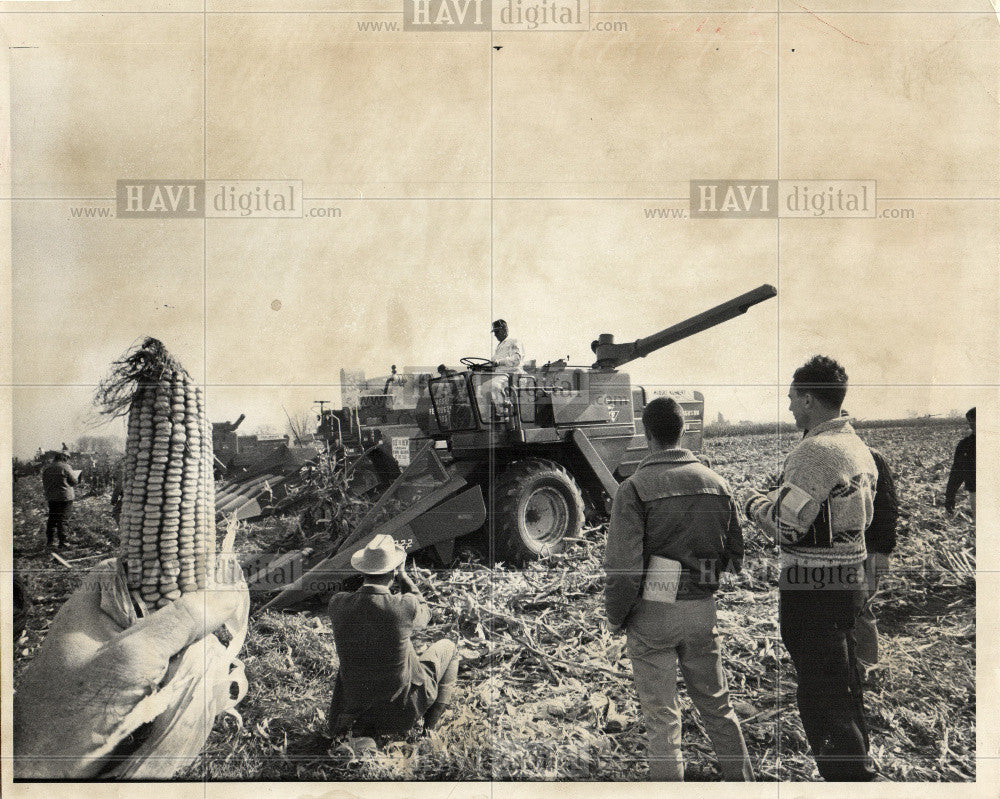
[442, 658]
[408, 705]
[817, 627]
[59, 512]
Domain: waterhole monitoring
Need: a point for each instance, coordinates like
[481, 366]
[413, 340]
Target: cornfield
[545, 693]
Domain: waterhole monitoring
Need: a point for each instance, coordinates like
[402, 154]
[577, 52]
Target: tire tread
[507, 491]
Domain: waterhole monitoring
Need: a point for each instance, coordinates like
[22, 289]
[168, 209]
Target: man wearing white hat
[382, 686]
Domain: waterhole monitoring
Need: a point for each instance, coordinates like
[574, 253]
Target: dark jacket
[379, 668]
[675, 507]
[881, 533]
[58, 481]
[963, 470]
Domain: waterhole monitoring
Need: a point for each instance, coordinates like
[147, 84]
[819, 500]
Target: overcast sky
[472, 184]
[286, 304]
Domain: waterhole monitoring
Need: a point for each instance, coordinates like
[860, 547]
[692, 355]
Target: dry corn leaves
[545, 693]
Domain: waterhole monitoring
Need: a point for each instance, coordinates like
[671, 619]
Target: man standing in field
[963, 469]
[382, 686]
[674, 528]
[58, 480]
[818, 516]
[880, 541]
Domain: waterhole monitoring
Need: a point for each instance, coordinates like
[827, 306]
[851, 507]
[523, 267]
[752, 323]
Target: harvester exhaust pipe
[611, 356]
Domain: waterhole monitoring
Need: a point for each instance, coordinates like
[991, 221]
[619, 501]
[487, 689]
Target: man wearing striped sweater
[818, 516]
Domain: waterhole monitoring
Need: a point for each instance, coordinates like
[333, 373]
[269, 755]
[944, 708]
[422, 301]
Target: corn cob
[167, 523]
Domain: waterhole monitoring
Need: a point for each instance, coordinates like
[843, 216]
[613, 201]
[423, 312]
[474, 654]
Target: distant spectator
[117, 493]
[58, 479]
[91, 475]
[963, 469]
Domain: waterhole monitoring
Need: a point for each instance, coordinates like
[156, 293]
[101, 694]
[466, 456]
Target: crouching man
[674, 528]
[383, 687]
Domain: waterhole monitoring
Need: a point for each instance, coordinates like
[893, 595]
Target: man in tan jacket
[674, 529]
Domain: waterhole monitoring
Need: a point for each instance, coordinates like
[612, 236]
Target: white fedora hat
[381, 555]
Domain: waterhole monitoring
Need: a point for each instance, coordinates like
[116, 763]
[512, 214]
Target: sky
[279, 307]
[472, 183]
[282, 307]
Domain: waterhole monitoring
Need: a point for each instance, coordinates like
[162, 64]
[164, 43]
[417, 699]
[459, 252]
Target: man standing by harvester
[382, 686]
[674, 528]
[963, 469]
[508, 354]
[818, 516]
[58, 481]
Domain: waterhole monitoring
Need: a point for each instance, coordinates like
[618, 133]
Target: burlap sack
[200, 684]
[154, 731]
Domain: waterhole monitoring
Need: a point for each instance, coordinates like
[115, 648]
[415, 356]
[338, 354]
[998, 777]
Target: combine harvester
[560, 441]
[255, 475]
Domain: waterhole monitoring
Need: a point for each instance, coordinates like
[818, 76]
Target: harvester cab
[520, 455]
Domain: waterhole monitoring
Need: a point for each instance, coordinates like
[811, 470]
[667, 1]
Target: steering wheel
[476, 364]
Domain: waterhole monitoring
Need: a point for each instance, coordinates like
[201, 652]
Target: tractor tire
[536, 505]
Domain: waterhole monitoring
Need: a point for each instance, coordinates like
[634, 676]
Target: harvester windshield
[460, 399]
[452, 403]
